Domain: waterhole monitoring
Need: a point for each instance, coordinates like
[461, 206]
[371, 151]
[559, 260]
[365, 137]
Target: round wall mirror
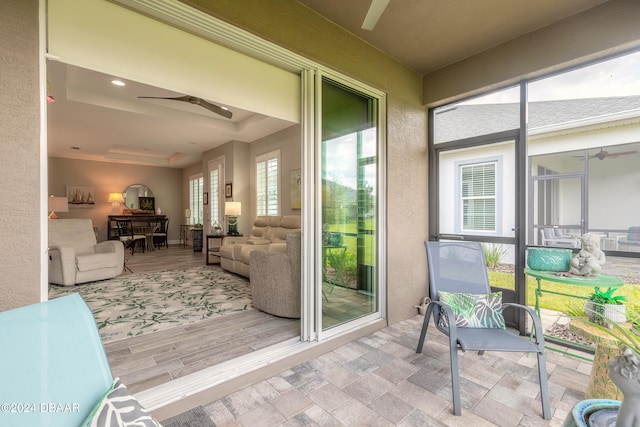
[133, 194]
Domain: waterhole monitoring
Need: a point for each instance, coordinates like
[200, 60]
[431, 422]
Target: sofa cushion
[262, 221]
[290, 221]
[269, 234]
[258, 241]
[88, 262]
[246, 250]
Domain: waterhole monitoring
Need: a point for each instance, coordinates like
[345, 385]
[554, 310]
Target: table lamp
[115, 199]
[187, 216]
[233, 210]
[59, 204]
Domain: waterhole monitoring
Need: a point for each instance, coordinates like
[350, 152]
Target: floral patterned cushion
[474, 310]
[118, 408]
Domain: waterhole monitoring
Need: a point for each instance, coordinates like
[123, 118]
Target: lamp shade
[59, 204]
[116, 197]
[187, 213]
[233, 208]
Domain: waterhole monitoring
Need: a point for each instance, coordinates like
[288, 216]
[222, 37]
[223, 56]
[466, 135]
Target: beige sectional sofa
[269, 233]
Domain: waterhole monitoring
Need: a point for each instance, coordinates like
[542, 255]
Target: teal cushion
[474, 310]
[118, 408]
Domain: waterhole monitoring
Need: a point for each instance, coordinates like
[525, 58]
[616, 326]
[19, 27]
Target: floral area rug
[137, 304]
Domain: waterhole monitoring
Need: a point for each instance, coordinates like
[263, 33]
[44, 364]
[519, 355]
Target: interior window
[267, 178]
[216, 178]
[478, 196]
[196, 185]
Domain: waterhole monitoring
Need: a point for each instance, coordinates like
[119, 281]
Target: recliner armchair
[75, 256]
[276, 279]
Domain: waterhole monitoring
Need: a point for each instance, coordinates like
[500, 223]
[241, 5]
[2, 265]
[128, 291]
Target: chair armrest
[451, 329]
[230, 240]
[62, 265]
[110, 246]
[538, 333]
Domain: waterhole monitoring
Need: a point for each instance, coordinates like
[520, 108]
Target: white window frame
[475, 197]
[196, 203]
[265, 195]
[216, 192]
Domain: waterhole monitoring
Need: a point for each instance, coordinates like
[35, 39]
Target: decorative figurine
[590, 259]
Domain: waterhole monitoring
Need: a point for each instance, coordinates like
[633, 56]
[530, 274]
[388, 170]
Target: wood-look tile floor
[153, 359]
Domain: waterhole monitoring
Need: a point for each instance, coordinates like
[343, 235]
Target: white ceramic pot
[615, 313]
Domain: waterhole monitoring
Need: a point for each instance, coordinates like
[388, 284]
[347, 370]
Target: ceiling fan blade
[374, 13]
[196, 101]
[622, 153]
[214, 108]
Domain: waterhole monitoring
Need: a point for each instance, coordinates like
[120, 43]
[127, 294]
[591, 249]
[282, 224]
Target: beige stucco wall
[603, 30]
[105, 178]
[20, 160]
[301, 30]
[239, 160]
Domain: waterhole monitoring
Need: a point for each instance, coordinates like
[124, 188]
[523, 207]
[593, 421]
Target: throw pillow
[118, 408]
[474, 310]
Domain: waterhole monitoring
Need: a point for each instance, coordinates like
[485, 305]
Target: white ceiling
[109, 123]
[427, 35]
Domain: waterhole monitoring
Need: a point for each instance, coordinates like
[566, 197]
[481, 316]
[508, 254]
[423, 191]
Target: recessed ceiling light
[73, 147]
[117, 82]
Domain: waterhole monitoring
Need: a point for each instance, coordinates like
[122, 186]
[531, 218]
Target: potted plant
[605, 308]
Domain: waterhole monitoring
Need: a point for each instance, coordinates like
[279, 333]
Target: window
[478, 193]
[196, 184]
[267, 183]
[216, 176]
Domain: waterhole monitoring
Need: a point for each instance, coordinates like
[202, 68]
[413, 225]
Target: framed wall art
[80, 196]
[228, 191]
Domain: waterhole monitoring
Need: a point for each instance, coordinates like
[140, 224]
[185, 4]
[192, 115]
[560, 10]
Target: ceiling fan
[197, 101]
[602, 154]
[374, 13]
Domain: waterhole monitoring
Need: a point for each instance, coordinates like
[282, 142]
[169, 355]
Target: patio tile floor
[379, 380]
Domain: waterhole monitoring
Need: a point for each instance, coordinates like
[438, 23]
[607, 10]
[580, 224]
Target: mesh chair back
[456, 267]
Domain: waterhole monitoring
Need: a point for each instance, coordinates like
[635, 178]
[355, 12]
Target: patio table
[601, 281]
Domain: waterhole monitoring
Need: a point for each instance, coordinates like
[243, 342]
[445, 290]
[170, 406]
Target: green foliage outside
[562, 303]
[493, 254]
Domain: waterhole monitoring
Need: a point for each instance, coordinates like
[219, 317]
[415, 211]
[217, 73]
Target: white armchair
[75, 256]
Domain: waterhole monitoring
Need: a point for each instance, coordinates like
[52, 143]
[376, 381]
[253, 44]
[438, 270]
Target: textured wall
[105, 178]
[603, 30]
[301, 30]
[20, 154]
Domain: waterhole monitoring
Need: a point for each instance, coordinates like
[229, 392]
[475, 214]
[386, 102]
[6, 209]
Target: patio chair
[457, 271]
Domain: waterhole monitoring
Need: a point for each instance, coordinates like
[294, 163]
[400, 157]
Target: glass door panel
[349, 204]
[557, 213]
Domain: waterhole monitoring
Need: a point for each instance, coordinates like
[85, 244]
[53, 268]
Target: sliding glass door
[349, 198]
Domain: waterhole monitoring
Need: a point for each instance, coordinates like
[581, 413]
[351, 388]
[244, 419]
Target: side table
[600, 385]
[184, 234]
[214, 241]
